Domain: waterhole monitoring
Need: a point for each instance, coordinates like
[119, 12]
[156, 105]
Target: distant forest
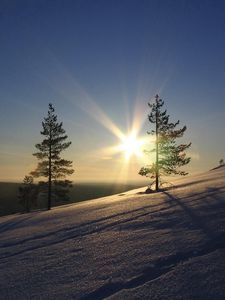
[79, 192]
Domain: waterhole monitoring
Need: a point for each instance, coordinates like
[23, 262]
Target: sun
[131, 145]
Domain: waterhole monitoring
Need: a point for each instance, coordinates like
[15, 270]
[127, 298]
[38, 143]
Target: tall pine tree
[50, 164]
[168, 155]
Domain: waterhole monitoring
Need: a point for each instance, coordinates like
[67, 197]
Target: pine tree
[27, 193]
[221, 162]
[168, 155]
[50, 164]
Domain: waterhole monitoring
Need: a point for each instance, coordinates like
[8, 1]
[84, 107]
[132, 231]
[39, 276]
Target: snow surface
[168, 245]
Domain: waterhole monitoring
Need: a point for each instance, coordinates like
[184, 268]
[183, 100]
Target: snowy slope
[168, 245]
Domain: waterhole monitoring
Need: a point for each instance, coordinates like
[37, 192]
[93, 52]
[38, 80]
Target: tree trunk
[157, 153]
[49, 189]
[50, 173]
[27, 205]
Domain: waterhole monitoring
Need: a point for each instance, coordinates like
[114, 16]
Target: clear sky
[99, 63]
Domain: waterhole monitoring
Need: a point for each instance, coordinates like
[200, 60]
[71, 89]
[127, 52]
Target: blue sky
[113, 56]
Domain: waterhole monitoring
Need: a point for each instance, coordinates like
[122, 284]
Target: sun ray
[130, 145]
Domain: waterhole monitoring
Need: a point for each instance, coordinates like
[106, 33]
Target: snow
[168, 245]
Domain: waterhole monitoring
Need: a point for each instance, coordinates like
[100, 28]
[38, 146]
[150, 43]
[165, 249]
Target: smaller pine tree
[50, 164]
[27, 193]
[169, 156]
[221, 162]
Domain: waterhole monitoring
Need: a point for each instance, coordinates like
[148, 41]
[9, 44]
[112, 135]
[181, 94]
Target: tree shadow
[195, 213]
[9, 225]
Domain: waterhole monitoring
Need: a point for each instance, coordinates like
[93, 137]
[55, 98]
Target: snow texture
[167, 245]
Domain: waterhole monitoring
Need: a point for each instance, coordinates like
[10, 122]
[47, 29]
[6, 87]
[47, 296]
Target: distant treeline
[79, 192]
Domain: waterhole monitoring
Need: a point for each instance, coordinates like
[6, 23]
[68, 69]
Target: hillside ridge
[167, 245]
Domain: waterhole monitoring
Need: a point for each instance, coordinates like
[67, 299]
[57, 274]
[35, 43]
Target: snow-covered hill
[169, 245]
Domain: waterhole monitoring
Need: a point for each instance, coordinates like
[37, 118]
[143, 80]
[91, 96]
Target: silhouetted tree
[221, 162]
[27, 193]
[168, 155]
[50, 164]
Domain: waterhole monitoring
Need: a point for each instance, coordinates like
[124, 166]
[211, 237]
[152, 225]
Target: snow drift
[168, 245]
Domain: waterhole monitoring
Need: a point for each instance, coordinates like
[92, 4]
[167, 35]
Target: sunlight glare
[131, 146]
